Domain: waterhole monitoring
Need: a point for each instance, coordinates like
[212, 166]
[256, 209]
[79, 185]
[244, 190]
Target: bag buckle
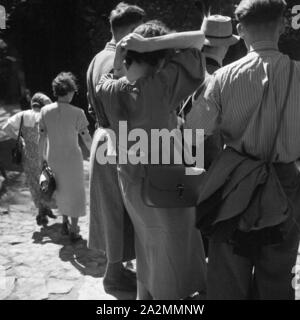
[180, 188]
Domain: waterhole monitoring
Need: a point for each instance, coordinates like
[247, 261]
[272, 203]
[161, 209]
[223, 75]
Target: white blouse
[30, 118]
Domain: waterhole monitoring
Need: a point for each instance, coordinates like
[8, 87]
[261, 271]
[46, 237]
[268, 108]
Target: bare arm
[179, 40]
[42, 140]
[12, 126]
[119, 67]
[42, 148]
[10, 131]
[86, 138]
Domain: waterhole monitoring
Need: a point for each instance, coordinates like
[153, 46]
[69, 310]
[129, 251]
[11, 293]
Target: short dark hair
[150, 29]
[64, 83]
[259, 11]
[125, 15]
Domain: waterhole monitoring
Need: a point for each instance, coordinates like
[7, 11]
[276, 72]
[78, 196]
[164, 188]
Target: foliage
[51, 36]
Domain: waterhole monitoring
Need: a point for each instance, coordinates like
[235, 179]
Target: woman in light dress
[30, 158]
[60, 124]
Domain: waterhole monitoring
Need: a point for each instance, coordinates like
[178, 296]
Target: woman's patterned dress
[32, 167]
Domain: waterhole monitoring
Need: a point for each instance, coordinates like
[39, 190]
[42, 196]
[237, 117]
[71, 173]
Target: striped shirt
[244, 100]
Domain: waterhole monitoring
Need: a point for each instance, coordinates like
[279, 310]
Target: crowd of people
[240, 241]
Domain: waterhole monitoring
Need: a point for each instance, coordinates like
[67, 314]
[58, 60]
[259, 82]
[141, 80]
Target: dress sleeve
[106, 85]
[42, 124]
[182, 75]
[15, 121]
[82, 122]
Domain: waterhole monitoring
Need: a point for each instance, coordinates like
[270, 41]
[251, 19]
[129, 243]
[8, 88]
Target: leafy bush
[51, 36]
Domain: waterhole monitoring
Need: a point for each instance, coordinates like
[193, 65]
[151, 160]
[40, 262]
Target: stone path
[39, 263]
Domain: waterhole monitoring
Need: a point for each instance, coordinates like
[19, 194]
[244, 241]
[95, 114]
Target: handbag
[168, 186]
[47, 182]
[16, 153]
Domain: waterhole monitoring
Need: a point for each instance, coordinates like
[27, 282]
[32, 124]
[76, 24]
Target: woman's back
[62, 123]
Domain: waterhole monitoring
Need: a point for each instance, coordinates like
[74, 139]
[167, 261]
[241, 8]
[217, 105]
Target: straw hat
[218, 31]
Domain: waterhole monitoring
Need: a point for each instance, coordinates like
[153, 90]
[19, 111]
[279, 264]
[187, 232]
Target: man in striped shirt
[244, 101]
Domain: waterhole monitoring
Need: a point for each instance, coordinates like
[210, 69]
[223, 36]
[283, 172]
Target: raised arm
[12, 126]
[119, 67]
[10, 131]
[42, 140]
[179, 40]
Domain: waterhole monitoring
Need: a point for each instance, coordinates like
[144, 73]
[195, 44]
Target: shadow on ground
[88, 262]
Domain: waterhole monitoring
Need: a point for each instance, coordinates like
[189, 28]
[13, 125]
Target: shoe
[129, 273]
[74, 237]
[125, 282]
[49, 213]
[41, 220]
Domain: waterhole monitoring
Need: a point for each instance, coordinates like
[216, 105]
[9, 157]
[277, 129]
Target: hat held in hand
[218, 31]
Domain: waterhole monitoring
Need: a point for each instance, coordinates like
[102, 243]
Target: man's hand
[134, 42]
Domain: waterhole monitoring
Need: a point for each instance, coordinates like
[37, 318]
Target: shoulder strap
[188, 103]
[291, 72]
[20, 129]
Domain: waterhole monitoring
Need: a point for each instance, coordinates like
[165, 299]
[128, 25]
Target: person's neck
[261, 38]
[119, 36]
[63, 100]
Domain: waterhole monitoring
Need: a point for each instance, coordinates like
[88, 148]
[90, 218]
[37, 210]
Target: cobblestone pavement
[39, 263]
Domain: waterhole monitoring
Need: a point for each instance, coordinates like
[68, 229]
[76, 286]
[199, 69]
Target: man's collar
[263, 46]
[110, 46]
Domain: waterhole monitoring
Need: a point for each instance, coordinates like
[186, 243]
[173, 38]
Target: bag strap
[188, 103]
[20, 129]
[186, 108]
[291, 72]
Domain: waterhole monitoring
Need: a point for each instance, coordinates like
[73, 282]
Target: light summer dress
[62, 123]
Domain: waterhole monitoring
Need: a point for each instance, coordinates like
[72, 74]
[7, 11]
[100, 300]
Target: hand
[120, 56]
[134, 42]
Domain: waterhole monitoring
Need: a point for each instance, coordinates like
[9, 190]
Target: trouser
[110, 229]
[267, 275]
